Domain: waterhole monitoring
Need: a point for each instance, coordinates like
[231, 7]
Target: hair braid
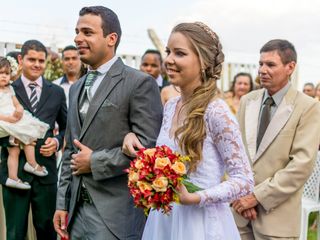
[207, 46]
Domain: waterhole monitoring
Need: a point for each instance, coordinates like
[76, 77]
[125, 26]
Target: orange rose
[133, 176]
[160, 163]
[179, 168]
[143, 186]
[139, 164]
[150, 152]
[160, 184]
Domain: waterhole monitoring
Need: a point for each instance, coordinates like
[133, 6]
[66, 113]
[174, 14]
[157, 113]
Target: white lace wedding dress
[223, 151]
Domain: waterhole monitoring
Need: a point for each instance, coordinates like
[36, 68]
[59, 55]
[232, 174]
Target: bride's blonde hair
[207, 46]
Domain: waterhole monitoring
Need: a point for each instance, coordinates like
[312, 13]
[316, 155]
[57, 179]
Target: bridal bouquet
[154, 176]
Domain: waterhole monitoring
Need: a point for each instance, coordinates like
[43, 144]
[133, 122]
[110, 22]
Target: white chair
[310, 200]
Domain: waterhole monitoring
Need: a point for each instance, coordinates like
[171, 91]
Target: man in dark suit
[49, 106]
[106, 104]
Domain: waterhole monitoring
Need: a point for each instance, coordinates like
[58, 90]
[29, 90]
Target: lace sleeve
[224, 131]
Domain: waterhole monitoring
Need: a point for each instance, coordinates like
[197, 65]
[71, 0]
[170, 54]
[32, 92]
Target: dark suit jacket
[51, 108]
[127, 100]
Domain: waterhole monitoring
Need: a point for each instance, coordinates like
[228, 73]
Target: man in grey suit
[106, 104]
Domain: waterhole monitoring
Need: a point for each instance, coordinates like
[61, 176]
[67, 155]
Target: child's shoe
[17, 184]
[41, 173]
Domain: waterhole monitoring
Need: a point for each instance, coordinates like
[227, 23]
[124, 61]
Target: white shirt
[159, 80]
[103, 69]
[65, 84]
[26, 83]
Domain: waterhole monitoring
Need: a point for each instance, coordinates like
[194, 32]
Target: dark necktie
[86, 94]
[33, 96]
[265, 119]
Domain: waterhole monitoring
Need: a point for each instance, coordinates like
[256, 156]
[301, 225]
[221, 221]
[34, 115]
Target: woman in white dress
[16, 122]
[200, 125]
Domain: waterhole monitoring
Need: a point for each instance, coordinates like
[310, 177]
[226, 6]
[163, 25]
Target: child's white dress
[27, 129]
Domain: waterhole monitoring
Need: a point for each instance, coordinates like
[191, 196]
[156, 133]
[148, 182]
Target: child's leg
[33, 167]
[30, 154]
[13, 162]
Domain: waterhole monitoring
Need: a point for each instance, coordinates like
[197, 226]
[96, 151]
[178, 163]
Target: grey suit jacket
[127, 100]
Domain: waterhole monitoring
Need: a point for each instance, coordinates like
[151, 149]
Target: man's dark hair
[244, 74]
[153, 51]
[33, 45]
[285, 49]
[309, 84]
[67, 48]
[110, 21]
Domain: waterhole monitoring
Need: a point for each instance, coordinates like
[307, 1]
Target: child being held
[20, 124]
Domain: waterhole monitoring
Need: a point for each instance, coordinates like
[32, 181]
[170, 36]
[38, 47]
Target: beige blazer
[284, 160]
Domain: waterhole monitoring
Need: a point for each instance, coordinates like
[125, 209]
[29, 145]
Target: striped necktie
[33, 96]
[91, 77]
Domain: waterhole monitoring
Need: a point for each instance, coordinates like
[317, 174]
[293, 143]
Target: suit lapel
[111, 79]
[251, 123]
[278, 121]
[21, 93]
[77, 94]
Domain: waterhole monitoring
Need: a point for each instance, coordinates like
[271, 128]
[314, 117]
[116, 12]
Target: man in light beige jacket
[284, 159]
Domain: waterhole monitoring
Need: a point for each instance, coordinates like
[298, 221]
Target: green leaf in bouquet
[190, 186]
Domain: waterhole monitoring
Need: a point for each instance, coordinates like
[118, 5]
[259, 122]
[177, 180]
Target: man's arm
[145, 117]
[285, 182]
[62, 120]
[53, 144]
[65, 175]
[63, 194]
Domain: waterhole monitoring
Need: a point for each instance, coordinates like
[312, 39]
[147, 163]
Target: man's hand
[244, 203]
[130, 142]
[250, 214]
[81, 161]
[49, 147]
[60, 223]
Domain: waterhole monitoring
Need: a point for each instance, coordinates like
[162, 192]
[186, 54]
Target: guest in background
[309, 89]
[45, 101]
[241, 85]
[71, 65]
[151, 63]
[317, 92]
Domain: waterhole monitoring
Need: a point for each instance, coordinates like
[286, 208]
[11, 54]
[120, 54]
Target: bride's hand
[187, 198]
[130, 143]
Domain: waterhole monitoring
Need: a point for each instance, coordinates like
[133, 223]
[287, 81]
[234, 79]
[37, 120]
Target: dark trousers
[17, 203]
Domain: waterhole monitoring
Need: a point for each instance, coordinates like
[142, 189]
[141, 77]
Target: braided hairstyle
[190, 136]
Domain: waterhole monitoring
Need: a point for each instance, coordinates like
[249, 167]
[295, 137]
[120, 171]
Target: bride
[200, 125]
